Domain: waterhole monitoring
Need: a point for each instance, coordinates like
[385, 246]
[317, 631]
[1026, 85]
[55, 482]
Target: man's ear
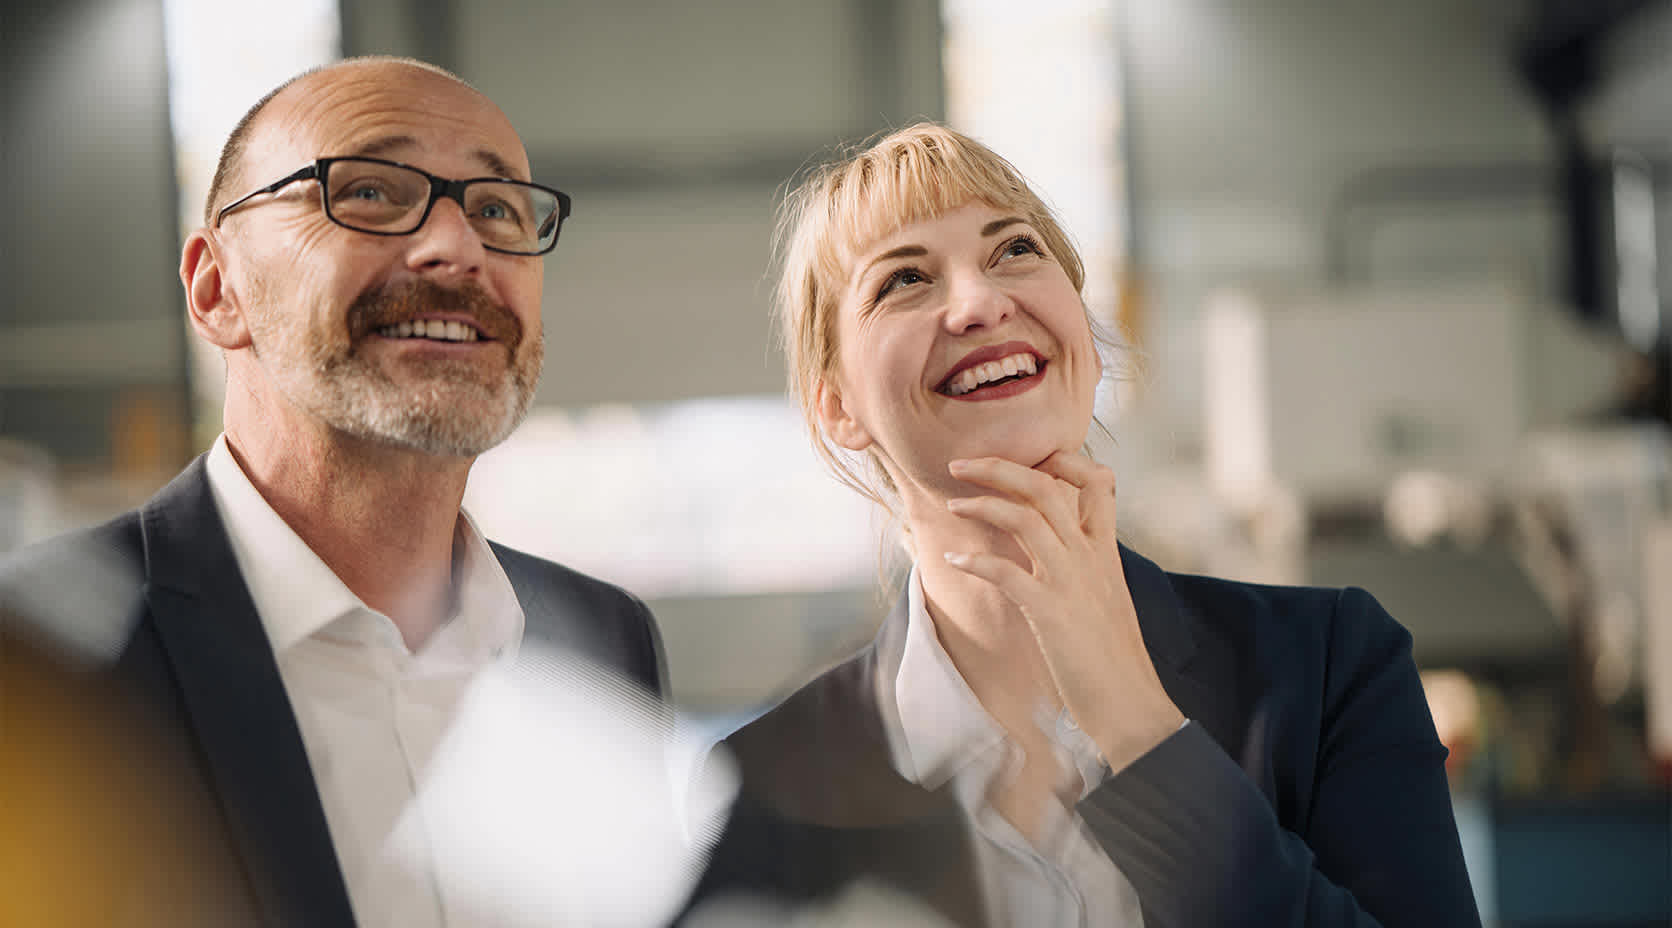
[835, 420]
[214, 313]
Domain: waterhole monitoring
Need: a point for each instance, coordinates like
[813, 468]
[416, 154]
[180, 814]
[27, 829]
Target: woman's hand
[1074, 598]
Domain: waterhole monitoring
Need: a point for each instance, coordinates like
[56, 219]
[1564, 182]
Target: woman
[1049, 729]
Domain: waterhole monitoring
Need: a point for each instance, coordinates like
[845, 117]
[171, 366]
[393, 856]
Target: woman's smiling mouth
[1008, 369]
[994, 372]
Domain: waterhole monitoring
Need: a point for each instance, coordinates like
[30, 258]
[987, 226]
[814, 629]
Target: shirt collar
[487, 602]
[942, 726]
[936, 725]
[297, 594]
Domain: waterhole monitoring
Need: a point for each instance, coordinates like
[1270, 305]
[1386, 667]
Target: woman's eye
[1020, 245]
[904, 277]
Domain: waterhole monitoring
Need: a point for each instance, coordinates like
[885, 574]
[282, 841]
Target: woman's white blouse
[940, 735]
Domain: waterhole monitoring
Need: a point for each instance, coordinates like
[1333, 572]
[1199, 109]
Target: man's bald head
[229, 169]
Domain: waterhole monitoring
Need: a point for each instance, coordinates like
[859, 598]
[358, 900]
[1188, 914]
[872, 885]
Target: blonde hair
[909, 175]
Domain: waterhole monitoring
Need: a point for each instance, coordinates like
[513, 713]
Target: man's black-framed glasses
[389, 198]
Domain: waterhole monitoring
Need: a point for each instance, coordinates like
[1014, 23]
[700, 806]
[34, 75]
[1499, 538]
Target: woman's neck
[983, 632]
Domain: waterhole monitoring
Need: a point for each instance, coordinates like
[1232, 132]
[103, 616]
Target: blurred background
[1395, 279]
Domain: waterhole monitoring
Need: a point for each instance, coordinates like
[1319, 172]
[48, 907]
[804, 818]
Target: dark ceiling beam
[1561, 55]
[1561, 59]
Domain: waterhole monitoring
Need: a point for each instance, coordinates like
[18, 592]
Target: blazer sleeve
[1202, 845]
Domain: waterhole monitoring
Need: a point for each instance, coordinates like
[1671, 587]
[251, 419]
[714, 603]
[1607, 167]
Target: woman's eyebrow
[992, 228]
[904, 251]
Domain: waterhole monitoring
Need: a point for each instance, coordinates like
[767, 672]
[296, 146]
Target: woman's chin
[1028, 451]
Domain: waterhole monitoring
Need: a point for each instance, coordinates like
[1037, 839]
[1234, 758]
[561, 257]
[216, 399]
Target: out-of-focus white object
[564, 796]
[1423, 506]
[1336, 393]
[1175, 519]
[1590, 501]
[1235, 333]
[712, 496]
[1657, 638]
[27, 503]
[83, 608]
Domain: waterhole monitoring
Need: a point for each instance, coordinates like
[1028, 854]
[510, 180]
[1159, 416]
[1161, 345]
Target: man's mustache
[393, 304]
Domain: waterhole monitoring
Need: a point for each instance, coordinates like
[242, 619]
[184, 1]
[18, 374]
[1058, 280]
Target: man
[303, 609]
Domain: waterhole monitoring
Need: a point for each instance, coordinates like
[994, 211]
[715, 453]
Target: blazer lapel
[1186, 658]
[820, 764]
[237, 707]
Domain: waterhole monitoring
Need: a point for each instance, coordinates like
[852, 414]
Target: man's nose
[447, 243]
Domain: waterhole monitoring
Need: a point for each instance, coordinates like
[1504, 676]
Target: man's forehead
[388, 109]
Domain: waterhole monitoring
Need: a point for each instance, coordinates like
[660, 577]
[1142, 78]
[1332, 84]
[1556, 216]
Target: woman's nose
[976, 301]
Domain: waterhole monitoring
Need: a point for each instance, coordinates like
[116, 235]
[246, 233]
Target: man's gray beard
[448, 412]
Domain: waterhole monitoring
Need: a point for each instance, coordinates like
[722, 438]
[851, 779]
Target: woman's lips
[991, 363]
[1003, 388]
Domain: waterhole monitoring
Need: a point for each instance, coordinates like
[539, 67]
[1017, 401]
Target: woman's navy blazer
[1309, 787]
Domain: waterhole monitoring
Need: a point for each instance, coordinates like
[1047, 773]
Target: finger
[1097, 489]
[1054, 499]
[1017, 585]
[1024, 523]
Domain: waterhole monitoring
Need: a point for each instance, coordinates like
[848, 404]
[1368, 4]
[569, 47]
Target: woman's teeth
[1022, 364]
[431, 328]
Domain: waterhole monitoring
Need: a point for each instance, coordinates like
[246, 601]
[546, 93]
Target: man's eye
[497, 210]
[370, 193]
[362, 192]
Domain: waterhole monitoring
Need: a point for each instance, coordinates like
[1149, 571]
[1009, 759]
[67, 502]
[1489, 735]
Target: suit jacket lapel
[1187, 657]
[237, 707]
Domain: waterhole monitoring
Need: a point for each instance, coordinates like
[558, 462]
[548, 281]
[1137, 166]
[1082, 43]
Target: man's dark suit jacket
[1309, 787]
[194, 659]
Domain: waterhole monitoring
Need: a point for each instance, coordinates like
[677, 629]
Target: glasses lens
[376, 197]
[511, 215]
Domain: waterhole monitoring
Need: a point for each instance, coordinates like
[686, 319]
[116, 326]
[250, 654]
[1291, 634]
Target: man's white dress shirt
[371, 712]
[940, 734]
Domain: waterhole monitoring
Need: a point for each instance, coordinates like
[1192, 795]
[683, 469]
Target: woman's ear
[835, 420]
[214, 313]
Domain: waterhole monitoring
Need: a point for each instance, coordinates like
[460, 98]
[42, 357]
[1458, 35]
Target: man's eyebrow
[497, 165]
[378, 147]
[993, 227]
[384, 145]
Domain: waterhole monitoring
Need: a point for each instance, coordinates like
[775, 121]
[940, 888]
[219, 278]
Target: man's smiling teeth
[1021, 363]
[430, 328]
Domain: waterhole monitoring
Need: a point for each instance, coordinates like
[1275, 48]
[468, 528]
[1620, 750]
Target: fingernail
[956, 503]
[957, 465]
[957, 559]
